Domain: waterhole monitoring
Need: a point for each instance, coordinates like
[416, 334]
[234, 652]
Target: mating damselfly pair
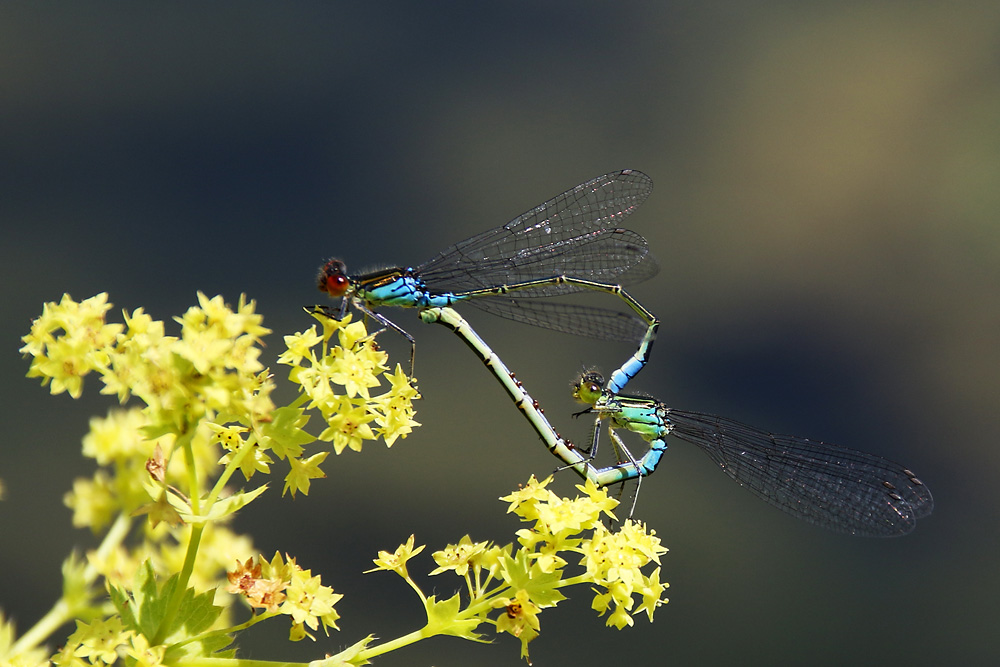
[574, 242]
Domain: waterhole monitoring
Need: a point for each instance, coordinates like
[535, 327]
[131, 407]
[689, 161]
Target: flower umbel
[183, 397]
[522, 582]
[357, 365]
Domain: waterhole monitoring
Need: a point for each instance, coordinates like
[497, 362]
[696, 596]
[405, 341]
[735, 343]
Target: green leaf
[150, 603]
[443, 619]
[197, 611]
[144, 610]
[523, 574]
[284, 435]
[123, 605]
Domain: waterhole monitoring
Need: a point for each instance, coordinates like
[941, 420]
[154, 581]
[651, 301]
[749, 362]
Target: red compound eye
[333, 279]
[336, 285]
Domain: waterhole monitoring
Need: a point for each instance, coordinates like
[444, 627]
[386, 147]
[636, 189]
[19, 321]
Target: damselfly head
[589, 387]
[332, 278]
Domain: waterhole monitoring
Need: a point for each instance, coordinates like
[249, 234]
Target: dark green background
[825, 214]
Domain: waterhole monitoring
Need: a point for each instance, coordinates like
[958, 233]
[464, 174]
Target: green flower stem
[413, 585]
[300, 400]
[231, 468]
[184, 441]
[236, 662]
[185, 576]
[479, 609]
[572, 581]
[62, 612]
[195, 540]
[399, 642]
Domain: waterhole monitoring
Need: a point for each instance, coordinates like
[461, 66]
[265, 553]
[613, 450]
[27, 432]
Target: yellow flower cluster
[522, 582]
[282, 587]
[69, 341]
[212, 368]
[356, 364]
[159, 460]
[613, 559]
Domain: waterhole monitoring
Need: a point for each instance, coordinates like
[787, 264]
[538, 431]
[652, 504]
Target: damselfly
[841, 489]
[571, 243]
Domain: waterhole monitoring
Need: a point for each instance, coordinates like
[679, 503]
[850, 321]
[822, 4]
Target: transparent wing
[841, 489]
[577, 233]
[568, 318]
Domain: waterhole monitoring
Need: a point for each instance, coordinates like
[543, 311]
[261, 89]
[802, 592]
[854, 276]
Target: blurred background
[825, 212]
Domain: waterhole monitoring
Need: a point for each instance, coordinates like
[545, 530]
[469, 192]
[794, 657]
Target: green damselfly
[841, 489]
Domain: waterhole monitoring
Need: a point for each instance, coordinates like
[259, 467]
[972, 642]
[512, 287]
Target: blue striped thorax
[388, 287]
[391, 287]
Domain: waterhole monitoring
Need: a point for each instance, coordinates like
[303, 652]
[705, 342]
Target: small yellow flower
[99, 641]
[652, 594]
[396, 561]
[215, 314]
[524, 501]
[348, 426]
[620, 618]
[277, 568]
[395, 420]
[459, 556]
[302, 471]
[548, 559]
[352, 334]
[599, 495]
[330, 325]
[117, 437]
[309, 603]
[94, 501]
[394, 409]
[491, 561]
[231, 437]
[255, 460]
[520, 618]
[143, 654]
[401, 386]
[354, 372]
[562, 515]
[66, 657]
[299, 346]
